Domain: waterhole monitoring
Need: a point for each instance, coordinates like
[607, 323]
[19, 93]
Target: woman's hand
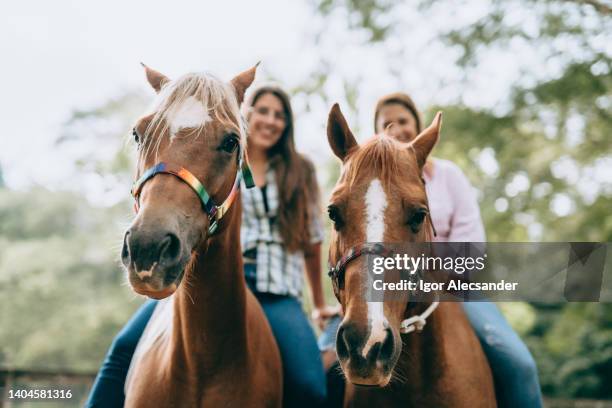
[320, 315]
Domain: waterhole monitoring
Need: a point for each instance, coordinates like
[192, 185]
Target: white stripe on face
[190, 113]
[376, 203]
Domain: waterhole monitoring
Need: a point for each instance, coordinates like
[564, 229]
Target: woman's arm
[320, 312]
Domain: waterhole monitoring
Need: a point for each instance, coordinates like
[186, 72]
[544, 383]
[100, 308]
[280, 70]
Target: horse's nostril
[386, 351]
[125, 252]
[169, 249]
[348, 339]
[341, 346]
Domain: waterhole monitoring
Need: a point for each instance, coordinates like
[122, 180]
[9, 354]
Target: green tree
[63, 295]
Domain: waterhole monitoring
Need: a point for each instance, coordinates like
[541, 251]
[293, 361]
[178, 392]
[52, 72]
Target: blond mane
[218, 99]
[381, 155]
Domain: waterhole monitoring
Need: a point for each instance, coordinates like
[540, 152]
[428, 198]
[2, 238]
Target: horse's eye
[416, 219]
[334, 215]
[230, 143]
[136, 137]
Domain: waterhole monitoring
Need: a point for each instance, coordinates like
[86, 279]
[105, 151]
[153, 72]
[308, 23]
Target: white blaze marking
[190, 113]
[376, 203]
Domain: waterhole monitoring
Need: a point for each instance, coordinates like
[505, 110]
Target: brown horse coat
[380, 197]
[210, 345]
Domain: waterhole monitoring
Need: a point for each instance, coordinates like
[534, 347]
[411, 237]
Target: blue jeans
[107, 390]
[514, 370]
[303, 376]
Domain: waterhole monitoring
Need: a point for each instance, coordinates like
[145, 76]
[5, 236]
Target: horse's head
[380, 197]
[190, 150]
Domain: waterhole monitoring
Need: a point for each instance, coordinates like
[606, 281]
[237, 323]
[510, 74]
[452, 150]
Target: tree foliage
[61, 295]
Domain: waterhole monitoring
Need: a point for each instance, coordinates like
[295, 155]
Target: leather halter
[214, 212]
[336, 273]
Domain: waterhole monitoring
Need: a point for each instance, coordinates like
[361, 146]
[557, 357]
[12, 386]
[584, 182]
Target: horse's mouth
[156, 294]
[156, 286]
[369, 378]
[367, 385]
[380, 384]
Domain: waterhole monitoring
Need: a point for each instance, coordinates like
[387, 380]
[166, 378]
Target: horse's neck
[210, 306]
[423, 353]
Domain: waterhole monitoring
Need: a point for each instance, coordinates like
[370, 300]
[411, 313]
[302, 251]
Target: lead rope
[417, 322]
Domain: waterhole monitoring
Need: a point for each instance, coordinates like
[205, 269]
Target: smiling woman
[281, 237]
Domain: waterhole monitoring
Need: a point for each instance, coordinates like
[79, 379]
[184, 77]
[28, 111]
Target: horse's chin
[155, 287]
[371, 382]
[374, 377]
[157, 294]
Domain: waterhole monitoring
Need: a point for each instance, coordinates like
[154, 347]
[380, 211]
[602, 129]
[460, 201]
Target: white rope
[417, 322]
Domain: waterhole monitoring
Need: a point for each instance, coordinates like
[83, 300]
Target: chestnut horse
[380, 197]
[208, 342]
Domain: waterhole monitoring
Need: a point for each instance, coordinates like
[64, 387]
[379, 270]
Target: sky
[65, 55]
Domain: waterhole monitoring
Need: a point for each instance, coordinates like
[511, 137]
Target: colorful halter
[214, 212]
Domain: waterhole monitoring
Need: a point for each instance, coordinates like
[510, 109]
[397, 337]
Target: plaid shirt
[278, 271]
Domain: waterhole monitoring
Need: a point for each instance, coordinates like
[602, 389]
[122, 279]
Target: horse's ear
[242, 81]
[426, 140]
[340, 137]
[156, 79]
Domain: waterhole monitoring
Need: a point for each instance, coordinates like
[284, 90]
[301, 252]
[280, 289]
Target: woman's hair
[298, 191]
[400, 99]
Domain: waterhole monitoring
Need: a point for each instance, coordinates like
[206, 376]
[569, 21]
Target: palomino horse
[208, 342]
[380, 197]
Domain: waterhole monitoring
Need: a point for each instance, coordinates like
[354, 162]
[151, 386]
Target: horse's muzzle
[154, 259]
[365, 365]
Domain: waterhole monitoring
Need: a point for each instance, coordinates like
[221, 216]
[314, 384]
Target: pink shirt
[452, 203]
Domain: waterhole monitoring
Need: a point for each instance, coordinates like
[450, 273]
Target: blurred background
[525, 85]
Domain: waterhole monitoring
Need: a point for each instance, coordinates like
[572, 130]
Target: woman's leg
[304, 379]
[107, 390]
[514, 370]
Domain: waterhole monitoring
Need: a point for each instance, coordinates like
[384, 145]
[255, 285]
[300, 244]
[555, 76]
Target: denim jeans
[107, 390]
[303, 376]
[514, 370]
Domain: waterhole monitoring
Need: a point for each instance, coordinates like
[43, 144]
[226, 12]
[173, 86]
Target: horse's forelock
[218, 101]
[381, 155]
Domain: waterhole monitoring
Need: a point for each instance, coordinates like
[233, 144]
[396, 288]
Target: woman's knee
[124, 344]
[524, 364]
